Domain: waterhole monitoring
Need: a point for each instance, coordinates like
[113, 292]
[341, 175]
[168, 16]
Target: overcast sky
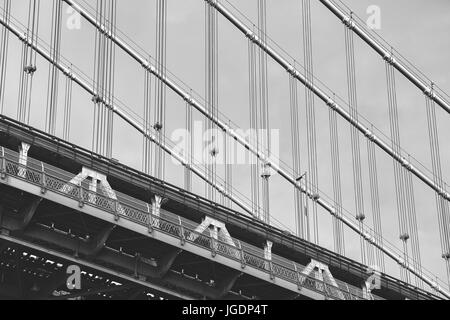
[419, 29]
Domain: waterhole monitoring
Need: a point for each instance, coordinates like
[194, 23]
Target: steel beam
[227, 284]
[98, 267]
[201, 288]
[99, 242]
[95, 291]
[166, 262]
[26, 214]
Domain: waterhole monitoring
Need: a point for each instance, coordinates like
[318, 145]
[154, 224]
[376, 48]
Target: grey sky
[419, 29]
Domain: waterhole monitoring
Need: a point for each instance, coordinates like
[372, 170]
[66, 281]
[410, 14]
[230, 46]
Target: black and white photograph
[239, 157]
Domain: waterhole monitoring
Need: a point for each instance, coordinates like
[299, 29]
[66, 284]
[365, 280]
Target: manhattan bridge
[283, 188]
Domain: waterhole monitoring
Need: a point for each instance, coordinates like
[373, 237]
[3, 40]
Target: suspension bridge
[92, 182]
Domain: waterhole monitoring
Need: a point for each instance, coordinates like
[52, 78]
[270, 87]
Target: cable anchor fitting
[404, 237]
[30, 69]
[158, 126]
[97, 99]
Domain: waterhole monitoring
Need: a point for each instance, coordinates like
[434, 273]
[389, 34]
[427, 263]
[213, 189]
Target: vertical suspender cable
[338, 227]
[104, 78]
[254, 128]
[67, 107]
[160, 90]
[399, 171]
[212, 96]
[355, 142]
[53, 71]
[375, 202]
[296, 159]
[28, 64]
[188, 149]
[415, 245]
[229, 160]
[264, 111]
[4, 44]
[310, 114]
[112, 76]
[147, 147]
[441, 203]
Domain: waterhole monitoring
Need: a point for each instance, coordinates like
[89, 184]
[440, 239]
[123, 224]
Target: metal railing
[58, 181]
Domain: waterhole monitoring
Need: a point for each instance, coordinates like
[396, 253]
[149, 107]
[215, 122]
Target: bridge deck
[284, 270]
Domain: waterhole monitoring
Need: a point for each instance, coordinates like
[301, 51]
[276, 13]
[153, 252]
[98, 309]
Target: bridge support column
[156, 209]
[96, 180]
[367, 294]
[2, 164]
[214, 233]
[323, 275]
[373, 282]
[268, 257]
[23, 159]
[217, 232]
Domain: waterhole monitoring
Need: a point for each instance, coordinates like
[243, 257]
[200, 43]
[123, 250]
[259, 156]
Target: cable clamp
[389, 58]
[331, 103]
[97, 99]
[30, 69]
[251, 36]
[348, 21]
[189, 100]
